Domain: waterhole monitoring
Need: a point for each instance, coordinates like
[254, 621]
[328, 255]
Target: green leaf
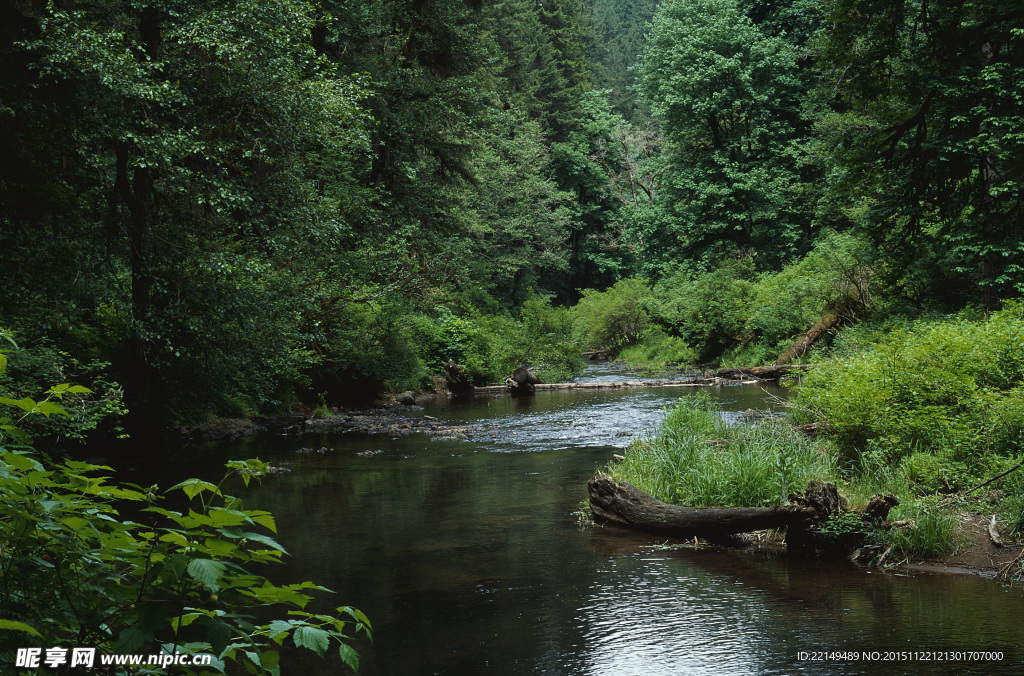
[279, 627]
[270, 542]
[12, 625]
[48, 408]
[194, 487]
[21, 462]
[314, 638]
[220, 517]
[218, 632]
[131, 639]
[349, 656]
[206, 571]
[25, 404]
[265, 519]
[270, 659]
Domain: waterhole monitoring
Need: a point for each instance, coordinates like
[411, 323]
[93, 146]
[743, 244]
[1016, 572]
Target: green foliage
[946, 387]
[840, 522]
[95, 404]
[541, 338]
[925, 133]
[658, 349]
[619, 29]
[730, 313]
[74, 571]
[729, 97]
[491, 347]
[706, 310]
[931, 535]
[613, 319]
[699, 460]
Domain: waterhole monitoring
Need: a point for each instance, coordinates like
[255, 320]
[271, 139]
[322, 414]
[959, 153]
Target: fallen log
[804, 520]
[770, 372]
[626, 505]
[838, 311]
[603, 385]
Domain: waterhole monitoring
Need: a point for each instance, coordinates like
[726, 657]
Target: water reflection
[698, 612]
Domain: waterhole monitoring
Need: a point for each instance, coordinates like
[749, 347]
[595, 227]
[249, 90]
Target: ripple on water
[582, 418]
[656, 621]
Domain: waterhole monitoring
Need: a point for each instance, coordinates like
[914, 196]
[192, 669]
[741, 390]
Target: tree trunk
[136, 194]
[830, 322]
[625, 505]
[771, 372]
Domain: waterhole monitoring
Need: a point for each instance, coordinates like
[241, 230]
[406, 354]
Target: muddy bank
[974, 553]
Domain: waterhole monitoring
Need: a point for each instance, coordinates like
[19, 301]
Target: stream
[468, 557]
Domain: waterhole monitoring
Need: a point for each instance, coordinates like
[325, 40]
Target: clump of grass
[321, 410]
[700, 460]
[932, 532]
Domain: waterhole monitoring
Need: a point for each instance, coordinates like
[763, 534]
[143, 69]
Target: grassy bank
[698, 459]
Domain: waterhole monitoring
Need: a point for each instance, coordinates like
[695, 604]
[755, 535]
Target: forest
[246, 208]
[234, 208]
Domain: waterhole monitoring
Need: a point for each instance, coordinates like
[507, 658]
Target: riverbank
[974, 552]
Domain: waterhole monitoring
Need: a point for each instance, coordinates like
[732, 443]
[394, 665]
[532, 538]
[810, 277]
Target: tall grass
[698, 459]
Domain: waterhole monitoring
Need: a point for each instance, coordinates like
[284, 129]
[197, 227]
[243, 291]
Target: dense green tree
[515, 216]
[729, 99]
[527, 65]
[926, 137]
[612, 168]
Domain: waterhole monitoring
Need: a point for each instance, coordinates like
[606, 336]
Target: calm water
[468, 558]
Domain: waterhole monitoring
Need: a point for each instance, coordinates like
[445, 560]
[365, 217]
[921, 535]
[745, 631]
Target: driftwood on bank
[626, 505]
[522, 382]
[993, 532]
[623, 504]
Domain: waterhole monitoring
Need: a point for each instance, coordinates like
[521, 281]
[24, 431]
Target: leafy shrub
[735, 315]
[706, 310]
[491, 347]
[613, 319]
[76, 572]
[951, 386]
[540, 338]
[97, 406]
[657, 349]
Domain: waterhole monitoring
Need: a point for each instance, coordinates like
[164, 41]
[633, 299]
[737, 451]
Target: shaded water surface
[468, 558]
